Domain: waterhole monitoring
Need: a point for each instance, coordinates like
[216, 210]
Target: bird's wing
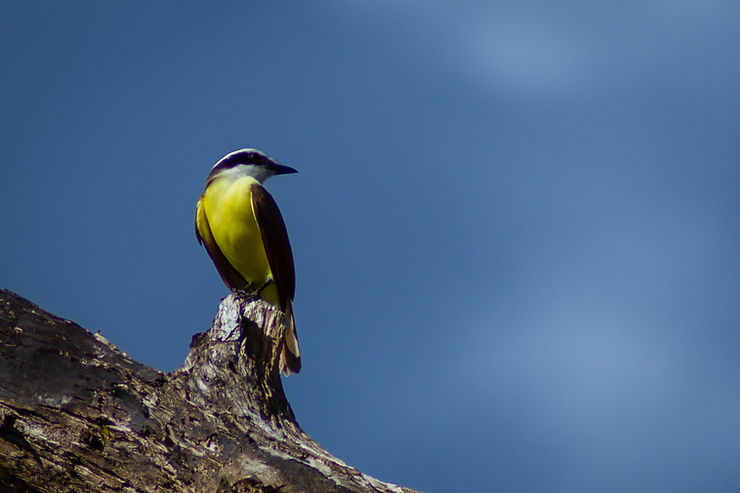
[230, 276]
[277, 244]
[280, 258]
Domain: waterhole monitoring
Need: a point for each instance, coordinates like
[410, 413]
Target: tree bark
[78, 415]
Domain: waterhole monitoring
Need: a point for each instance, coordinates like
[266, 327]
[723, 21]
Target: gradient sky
[516, 225]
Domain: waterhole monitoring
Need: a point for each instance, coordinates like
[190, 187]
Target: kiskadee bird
[242, 229]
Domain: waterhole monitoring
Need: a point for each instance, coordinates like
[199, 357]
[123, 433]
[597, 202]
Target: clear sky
[516, 225]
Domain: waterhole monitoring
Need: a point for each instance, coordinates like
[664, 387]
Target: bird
[241, 227]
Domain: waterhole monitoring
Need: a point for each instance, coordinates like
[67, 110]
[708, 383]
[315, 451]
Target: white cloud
[599, 334]
[536, 49]
[520, 55]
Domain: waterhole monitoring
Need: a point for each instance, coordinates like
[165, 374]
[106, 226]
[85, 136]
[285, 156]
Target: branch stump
[78, 415]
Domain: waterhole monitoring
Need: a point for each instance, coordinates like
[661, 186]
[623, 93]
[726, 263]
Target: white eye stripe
[243, 156]
[243, 162]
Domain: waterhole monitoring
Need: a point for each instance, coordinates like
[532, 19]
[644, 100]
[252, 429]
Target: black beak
[281, 169]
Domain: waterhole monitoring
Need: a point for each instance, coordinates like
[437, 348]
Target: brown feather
[277, 244]
[280, 258]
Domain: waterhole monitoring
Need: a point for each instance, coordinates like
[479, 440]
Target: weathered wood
[78, 415]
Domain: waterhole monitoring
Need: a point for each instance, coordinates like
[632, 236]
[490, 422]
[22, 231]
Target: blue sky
[516, 225]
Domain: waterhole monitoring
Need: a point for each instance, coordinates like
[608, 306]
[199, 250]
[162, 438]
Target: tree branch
[78, 415]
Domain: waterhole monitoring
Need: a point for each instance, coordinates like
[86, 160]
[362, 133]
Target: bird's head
[249, 162]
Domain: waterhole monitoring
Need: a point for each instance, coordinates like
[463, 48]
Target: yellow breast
[228, 207]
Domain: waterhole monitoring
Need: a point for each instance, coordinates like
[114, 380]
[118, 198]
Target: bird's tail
[290, 354]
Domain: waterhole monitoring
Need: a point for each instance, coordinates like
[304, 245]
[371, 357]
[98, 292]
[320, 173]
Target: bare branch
[78, 415]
